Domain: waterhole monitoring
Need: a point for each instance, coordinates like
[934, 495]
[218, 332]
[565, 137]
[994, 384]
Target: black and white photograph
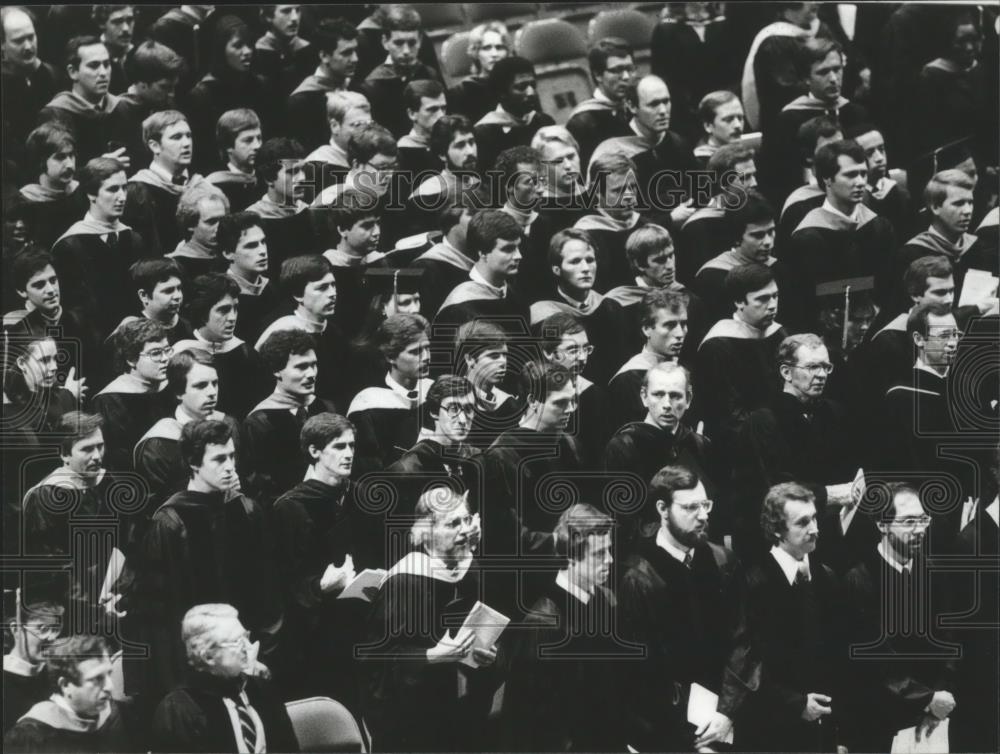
[501, 377]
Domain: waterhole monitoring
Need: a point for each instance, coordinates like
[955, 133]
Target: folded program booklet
[360, 588]
[486, 624]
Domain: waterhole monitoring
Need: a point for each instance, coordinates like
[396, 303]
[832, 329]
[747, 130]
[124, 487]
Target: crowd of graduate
[309, 348]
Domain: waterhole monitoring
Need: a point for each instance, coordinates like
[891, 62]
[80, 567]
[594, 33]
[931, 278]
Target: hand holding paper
[364, 586]
[484, 625]
[335, 579]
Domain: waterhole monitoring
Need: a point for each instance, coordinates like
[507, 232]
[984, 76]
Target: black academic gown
[444, 268]
[497, 131]
[128, 414]
[200, 547]
[473, 97]
[693, 625]
[21, 692]
[563, 692]
[976, 592]
[273, 461]
[826, 248]
[91, 126]
[384, 88]
[604, 322]
[258, 303]
[317, 524]
[703, 236]
[24, 94]
[194, 718]
[240, 189]
[97, 277]
[494, 418]
[386, 425]
[151, 209]
[594, 121]
[48, 215]
[59, 510]
[47, 728]
[242, 383]
[894, 673]
[283, 66]
[609, 237]
[428, 463]
[410, 704]
[797, 632]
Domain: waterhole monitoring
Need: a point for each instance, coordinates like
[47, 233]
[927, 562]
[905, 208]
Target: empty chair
[559, 53]
[440, 19]
[455, 60]
[322, 724]
[513, 15]
[634, 27]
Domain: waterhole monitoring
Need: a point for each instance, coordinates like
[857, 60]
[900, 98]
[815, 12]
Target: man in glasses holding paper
[684, 599]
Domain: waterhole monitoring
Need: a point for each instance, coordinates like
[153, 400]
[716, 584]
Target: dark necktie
[247, 726]
[689, 559]
[112, 241]
[301, 414]
[802, 574]
[179, 180]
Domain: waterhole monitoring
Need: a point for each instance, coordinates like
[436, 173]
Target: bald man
[661, 157]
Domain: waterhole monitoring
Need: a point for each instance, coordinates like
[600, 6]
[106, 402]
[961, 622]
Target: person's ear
[314, 453]
[643, 394]
[385, 41]
[918, 340]
[785, 371]
[661, 507]
[143, 297]
[557, 271]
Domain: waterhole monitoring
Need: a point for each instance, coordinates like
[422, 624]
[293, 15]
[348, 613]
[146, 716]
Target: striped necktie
[247, 725]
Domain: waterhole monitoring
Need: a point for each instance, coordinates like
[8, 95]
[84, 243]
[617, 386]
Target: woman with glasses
[135, 400]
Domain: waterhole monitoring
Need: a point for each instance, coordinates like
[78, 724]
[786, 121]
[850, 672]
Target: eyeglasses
[621, 70]
[236, 643]
[159, 354]
[693, 508]
[44, 633]
[576, 351]
[813, 368]
[454, 409]
[916, 522]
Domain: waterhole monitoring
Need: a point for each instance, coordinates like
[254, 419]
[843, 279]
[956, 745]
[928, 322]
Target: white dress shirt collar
[563, 582]
[789, 565]
[476, 277]
[854, 217]
[890, 557]
[993, 510]
[677, 553]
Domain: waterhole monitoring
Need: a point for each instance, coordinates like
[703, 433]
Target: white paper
[370, 577]
[905, 741]
[702, 706]
[486, 624]
[978, 286]
[116, 564]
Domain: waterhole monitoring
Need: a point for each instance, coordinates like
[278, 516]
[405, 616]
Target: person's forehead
[745, 166]
[666, 314]
[553, 150]
[796, 509]
[250, 133]
[421, 341]
[346, 45]
[215, 449]
[356, 115]
[768, 290]
[115, 179]
[95, 437]
[870, 139]
[175, 128]
[491, 37]
[227, 299]
[764, 227]
[690, 496]
[936, 323]
[253, 234]
[17, 23]
[43, 348]
[456, 511]
[228, 628]
[297, 358]
[599, 543]
[92, 52]
[326, 280]
[650, 89]
[48, 271]
[211, 207]
[116, 15]
[575, 338]
[93, 667]
[460, 138]
[457, 400]
[566, 391]
[907, 504]
[846, 162]
[957, 192]
[171, 282]
[523, 78]
[576, 246]
[671, 382]
[832, 59]
[398, 35]
[200, 372]
[945, 282]
[616, 60]
[432, 101]
[345, 437]
[152, 345]
[730, 107]
[809, 354]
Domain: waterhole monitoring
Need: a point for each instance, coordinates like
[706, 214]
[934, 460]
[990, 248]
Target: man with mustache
[606, 114]
[907, 680]
[721, 116]
[564, 689]
[213, 308]
[153, 192]
[336, 44]
[225, 703]
[87, 108]
[52, 510]
[52, 203]
[194, 382]
[80, 715]
[684, 598]
[573, 264]
[116, 24]
[97, 251]
[517, 116]
[272, 459]
[281, 56]
[207, 543]
[795, 616]
[663, 316]
[835, 245]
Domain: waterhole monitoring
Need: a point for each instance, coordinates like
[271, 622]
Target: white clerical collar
[993, 510]
[155, 167]
[923, 365]
[677, 553]
[563, 582]
[854, 217]
[476, 277]
[890, 557]
[789, 565]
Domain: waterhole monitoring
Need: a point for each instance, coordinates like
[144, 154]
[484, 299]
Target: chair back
[322, 724]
